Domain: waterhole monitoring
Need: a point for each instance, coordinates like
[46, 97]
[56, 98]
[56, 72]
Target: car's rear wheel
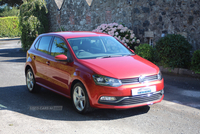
[30, 82]
[80, 99]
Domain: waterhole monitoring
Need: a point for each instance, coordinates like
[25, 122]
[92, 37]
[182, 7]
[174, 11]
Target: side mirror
[61, 57]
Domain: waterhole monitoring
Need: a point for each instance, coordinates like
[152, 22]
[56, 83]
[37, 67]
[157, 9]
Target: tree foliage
[7, 11]
[33, 21]
[11, 2]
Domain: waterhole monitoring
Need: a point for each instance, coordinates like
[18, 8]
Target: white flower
[120, 26]
[132, 35]
[119, 37]
[125, 28]
[116, 33]
[138, 41]
[119, 32]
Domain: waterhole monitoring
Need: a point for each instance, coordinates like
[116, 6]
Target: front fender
[85, 78]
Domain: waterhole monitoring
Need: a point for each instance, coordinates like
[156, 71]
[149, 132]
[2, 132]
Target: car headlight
[106, 81]
[160, 75]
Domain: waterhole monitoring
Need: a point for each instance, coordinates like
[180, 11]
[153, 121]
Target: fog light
[160, 75]
[106, 98]
[162, 91]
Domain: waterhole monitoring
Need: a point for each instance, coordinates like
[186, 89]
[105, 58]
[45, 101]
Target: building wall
[159, 16]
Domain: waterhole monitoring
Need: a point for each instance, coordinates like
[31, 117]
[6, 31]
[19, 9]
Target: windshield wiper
[128, 54]
[108, 56]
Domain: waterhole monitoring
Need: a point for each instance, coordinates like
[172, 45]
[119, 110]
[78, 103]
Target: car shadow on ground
[18, 99]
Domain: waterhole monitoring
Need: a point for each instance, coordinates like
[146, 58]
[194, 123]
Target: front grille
[133, 80]
[151, 78]
[136, 80]
[133, 100]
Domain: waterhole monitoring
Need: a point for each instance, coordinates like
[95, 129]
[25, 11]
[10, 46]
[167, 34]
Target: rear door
[41, 59]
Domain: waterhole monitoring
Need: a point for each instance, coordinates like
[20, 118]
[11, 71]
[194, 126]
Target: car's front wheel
[30, 82]
[80, 99]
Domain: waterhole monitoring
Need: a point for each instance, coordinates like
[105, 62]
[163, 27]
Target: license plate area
[143, 90]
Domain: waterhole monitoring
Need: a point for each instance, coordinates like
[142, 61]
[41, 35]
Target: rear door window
[44, 44]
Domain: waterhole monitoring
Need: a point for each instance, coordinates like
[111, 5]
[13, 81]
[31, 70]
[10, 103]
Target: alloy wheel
[79, 98]
[30, 80]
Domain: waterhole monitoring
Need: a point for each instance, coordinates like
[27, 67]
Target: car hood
[121, 67]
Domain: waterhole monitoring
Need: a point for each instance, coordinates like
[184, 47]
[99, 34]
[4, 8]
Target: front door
[60, 71]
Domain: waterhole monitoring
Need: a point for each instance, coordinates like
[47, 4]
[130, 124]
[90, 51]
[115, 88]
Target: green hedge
[9, 27]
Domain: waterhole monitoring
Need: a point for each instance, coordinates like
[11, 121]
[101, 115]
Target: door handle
[48, 62]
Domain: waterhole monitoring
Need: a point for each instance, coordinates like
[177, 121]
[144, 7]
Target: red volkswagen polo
[93, 69]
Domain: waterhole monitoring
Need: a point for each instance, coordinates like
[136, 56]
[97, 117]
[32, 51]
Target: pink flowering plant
[120, 32]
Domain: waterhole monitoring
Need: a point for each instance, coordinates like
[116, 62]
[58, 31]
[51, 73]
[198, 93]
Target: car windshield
[98, 47]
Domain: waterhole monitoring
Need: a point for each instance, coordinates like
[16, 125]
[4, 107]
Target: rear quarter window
[44, 43]
[37, 43]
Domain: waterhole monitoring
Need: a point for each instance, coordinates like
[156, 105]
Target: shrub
[33, 21]
[174, 51]
[195, 63]
[120, 32]
[9, 27]
[145, 51]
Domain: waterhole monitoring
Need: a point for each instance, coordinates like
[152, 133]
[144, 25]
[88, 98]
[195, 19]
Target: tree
[11, 2]
[7, 11]
[33, 21]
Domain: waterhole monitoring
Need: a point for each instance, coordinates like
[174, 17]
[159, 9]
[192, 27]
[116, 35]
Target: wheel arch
[88, 107]
[76, 81]
[72, 85]
[28, 67]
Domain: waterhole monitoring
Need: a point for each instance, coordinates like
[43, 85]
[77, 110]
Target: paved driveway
[178, 113]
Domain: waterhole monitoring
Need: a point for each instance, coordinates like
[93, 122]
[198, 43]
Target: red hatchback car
[93, 69]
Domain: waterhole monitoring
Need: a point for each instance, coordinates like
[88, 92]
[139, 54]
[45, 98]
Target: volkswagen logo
[141, 79]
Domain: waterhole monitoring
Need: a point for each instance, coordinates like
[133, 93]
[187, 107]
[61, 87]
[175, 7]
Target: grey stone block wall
[159, 16]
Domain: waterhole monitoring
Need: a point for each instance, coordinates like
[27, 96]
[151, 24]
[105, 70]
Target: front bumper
[124, 98]
[135, 100]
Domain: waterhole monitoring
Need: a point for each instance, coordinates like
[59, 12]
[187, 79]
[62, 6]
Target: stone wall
[159, 16]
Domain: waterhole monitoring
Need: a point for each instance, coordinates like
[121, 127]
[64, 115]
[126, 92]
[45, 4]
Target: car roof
[75, 34]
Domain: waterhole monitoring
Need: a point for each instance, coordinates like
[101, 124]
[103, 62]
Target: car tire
[30, 82]
[80, 99]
